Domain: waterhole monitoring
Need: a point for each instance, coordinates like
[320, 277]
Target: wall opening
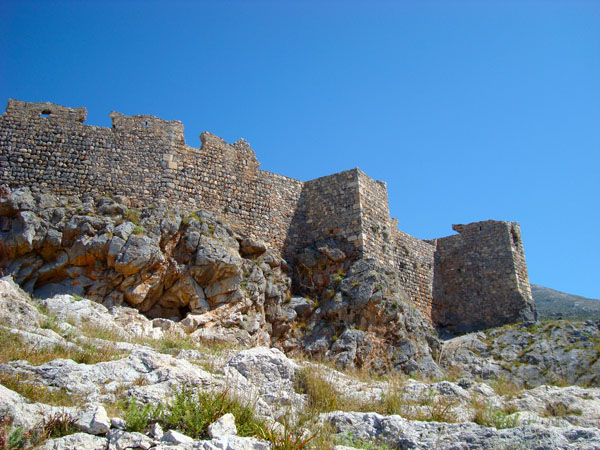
[46, 113]
[515, 237]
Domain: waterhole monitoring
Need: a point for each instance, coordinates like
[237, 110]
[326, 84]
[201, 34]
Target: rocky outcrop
[556, 352]
[216, 284]
[361, 316]
[396, 432]
[164, 263]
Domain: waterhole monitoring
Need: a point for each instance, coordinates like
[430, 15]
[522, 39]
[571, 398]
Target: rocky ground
[127, 329]
[221, 286]
[70, 365]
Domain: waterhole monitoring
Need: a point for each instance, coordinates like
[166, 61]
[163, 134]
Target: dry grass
[504, 387]
[26, 387]
[14, 348]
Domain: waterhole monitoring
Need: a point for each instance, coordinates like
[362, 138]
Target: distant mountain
[553, 304]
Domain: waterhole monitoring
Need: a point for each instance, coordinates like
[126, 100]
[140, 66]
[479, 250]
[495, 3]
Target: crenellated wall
[475, 278]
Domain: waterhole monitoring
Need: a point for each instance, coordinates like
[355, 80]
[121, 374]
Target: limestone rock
[15, 310]
[75, 442]
[93, 420]
[175, 437]
[224, 426]
[124, 440]
[395, 431]
[252, 248]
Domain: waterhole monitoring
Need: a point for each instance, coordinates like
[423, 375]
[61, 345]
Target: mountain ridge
[552, 304]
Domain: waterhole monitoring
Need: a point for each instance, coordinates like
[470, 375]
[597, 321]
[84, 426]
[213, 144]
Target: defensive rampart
[474, 278]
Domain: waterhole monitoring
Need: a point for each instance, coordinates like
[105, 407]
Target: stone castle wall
[48, 148]
[485, 264]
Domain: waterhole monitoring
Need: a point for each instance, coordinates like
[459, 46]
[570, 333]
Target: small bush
[504, 387]
[191, 412]
[139, 230]
[136, 416]
[57, 425]
[321, 393]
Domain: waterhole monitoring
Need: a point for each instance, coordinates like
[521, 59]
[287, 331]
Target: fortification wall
[474, 279]
[47, 147]
[328, 208]
[480, 278]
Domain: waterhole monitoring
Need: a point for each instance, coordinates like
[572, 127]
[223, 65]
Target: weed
[13, 348]
[57, 425]
[559, 409]
[352, 441]
[50, 322]
[505, 387]
[355, 283]
[136, 416]
[16, 439]
[139, 230]
[133, 215]
[24, 386]
[322, 396]
[495, 417]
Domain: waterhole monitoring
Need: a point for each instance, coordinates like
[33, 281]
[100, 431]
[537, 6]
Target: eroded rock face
[397, 432]
[357, 313]
[163, 263]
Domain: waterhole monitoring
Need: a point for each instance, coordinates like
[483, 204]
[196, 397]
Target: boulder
[224, 426]
[93, 420]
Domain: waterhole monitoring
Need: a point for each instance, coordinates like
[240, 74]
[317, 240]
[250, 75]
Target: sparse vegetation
[27, 387]
[133, 215]
[487, 415]
[139, 230]
[16, 438]
[13, 347]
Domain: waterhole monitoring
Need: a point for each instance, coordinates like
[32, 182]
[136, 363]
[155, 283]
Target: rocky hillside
[551, 304]
[556, 352]
[77, 375]
[192, 268]
[164, 329]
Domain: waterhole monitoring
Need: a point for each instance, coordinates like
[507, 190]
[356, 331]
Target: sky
[469, 110]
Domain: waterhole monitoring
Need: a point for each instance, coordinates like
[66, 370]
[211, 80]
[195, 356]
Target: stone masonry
[474, 279]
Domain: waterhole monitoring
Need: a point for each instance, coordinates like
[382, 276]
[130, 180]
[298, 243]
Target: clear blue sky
[469, 110]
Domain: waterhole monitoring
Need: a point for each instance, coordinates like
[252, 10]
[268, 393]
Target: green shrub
[139, 230]
[137, 416]
[193, 411]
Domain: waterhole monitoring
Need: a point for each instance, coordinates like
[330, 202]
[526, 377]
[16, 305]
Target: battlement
[48, 148]
[31, 111]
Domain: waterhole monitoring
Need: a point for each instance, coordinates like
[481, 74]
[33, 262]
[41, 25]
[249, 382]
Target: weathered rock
[556, 352]
[123, 440]
[224, 426]
[75, 442]
[175, 437]
[22, 412]
[397, 432]
[93, 420]
[15, 310]
[252, 248]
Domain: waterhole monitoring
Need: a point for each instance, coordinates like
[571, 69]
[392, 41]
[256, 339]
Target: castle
[474, 279]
